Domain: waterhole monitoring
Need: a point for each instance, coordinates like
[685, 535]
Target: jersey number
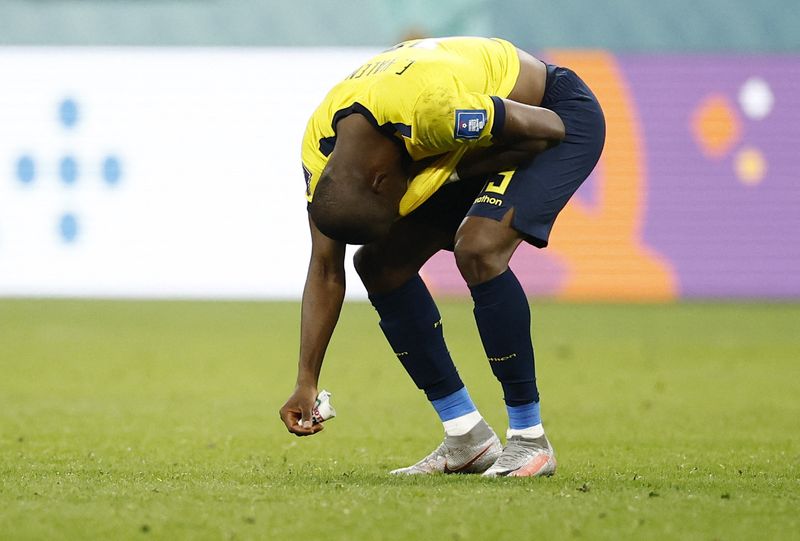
[498, 183]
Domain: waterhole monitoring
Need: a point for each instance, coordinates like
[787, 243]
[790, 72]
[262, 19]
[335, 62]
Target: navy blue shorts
[538, 190]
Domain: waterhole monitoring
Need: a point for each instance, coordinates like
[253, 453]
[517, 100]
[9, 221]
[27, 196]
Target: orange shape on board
[601, 244]
[716, 126]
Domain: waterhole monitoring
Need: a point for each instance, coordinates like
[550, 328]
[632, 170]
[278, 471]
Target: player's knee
[479, 259]
[370, 264]
[379, 272]
[364, 262]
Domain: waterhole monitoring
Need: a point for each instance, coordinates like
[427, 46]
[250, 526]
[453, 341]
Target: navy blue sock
[504, 323]
[413, 327]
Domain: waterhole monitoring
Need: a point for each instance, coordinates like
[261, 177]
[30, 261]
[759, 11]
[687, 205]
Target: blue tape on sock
[454, 405]
[524, 416]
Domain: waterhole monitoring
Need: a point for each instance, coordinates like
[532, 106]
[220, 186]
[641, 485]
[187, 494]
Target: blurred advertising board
[157, 172]
[175, 173]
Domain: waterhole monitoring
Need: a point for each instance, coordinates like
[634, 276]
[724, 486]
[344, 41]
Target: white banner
[158, 172]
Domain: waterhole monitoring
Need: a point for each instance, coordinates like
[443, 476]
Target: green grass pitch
[158, 420]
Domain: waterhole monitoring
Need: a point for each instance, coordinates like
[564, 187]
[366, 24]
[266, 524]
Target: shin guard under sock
[413, 327]
[504, 323]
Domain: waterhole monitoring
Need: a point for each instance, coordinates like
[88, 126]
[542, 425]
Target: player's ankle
[457, 412]
[462, 424]
[525, 418]
[536, 431]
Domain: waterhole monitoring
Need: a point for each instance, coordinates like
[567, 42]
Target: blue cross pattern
[70, 170]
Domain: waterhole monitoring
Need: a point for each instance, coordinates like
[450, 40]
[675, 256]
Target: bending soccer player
[462, 144]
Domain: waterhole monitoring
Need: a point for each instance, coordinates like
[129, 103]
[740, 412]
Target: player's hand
[296, 413]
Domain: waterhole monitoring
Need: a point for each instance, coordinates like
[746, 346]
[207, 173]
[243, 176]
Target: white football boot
[473, 452]
[525, 457]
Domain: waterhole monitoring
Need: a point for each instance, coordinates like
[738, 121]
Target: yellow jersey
[436, 97]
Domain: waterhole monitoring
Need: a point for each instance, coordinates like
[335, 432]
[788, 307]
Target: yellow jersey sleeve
[313, 161]
[449, 121]
[449, 117]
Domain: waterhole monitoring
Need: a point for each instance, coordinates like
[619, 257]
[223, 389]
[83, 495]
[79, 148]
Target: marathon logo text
[470, 123]
[488, 199]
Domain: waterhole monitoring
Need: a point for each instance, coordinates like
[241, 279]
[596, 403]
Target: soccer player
[462, 144]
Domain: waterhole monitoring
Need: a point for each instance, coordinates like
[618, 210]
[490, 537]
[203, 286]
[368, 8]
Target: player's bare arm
[529, 124]
[323, 296]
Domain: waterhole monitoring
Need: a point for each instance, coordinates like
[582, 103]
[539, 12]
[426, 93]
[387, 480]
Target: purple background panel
[723, 237]
[718, 233]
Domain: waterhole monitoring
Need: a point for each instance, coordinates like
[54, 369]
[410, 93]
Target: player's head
[356, 210]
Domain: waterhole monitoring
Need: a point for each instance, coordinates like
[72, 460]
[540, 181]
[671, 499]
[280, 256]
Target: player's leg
[483, 249]
[515, 206]
[410, 320]
[412, 324]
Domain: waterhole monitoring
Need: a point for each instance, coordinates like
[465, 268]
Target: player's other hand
[296, 412]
